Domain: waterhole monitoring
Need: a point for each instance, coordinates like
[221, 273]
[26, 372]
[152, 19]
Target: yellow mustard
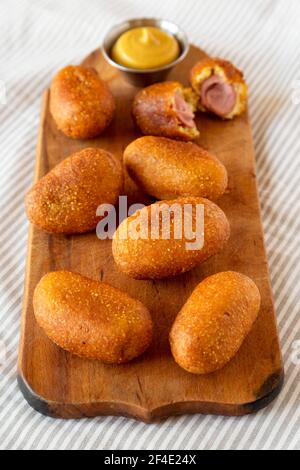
[145, 48]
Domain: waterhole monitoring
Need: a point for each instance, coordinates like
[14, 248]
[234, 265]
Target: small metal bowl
[138, 77]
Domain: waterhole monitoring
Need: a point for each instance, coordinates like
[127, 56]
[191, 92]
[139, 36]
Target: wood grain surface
[61, 385]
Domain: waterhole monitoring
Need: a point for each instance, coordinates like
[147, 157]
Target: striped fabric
[262, 37]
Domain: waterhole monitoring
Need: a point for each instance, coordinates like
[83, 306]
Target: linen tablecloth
[37, 37]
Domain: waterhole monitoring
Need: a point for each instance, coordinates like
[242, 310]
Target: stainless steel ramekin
[145, 77]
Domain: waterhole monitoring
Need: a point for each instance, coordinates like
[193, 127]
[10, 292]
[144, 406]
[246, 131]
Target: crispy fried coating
[80, 102]
[154, 111]
[66, 199]
[168, 169]
[153, 242]
[229, 74]
[213, 323]
[91, 319]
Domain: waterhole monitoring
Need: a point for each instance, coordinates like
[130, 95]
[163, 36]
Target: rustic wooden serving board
[61, 385]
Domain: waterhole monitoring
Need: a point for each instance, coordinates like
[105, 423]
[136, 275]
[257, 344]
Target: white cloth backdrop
[263, 38]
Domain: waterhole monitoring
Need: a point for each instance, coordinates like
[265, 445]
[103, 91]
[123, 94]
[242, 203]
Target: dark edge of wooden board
[270, 390]
[265, 395]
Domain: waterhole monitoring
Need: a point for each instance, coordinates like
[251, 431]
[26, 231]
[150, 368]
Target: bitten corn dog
[220, 86]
